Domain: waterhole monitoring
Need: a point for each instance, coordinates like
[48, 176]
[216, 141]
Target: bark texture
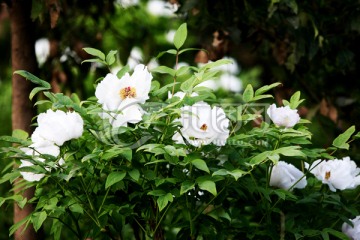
[22, 58]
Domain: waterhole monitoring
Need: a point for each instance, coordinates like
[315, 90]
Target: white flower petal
[352, 232]
[338, 174]
[57, 127]
[202, 125]
[283, 116]
[285, 175]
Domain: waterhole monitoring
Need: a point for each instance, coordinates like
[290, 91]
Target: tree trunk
[22, 58]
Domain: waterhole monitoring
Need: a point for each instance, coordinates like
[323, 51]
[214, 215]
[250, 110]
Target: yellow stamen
[204, 127]
[327, 175]
[127, 92]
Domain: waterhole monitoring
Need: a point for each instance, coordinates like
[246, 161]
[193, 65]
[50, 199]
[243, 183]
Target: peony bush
[156, 155]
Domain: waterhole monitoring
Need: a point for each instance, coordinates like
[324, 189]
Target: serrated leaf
[248, 93]
[33, 78]
[114, 177]
[186, 186]
[134, 174]
[180, 36]
[110, 58]
[201, 165]
[341, 140]
[207, 185]
[38, 219]
[95, 52]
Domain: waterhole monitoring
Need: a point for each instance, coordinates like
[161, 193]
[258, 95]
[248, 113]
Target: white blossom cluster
[54, 129]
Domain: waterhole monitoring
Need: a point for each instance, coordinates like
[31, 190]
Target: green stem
[161, 218]
[68, 226]
[142, 228]
[207, 205]
[176, 66]
[103, 201]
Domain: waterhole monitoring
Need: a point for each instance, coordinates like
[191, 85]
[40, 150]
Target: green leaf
[110, 58]
[122, 71]
[15, 140]
[200, 164]
[215, 64]
[38, 219]
[291, 151]
[20, 134]
[17, 225]
[261, 97]
[186, 186]
[163, 201]
[94, 60]
[180, 36]
[259, 158]
[336, 233]
[36, 90]
[295, 100]
[206, 184]
[266, 88]
[157, 193]
[164, 69]
[341, 140]
[170, 51]
[77, 208]
[114, 152]
[248, 93]
[114, 177]
[33, 78]
[95, 52]
[134, 174]
[191, 49]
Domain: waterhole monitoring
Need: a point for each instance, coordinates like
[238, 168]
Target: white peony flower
[285, 175]
[131, 114]
[42, 50]
[161, 8]
[283, 116]
[57, 127]
[202, 125]
[41, 147]
[352, 232]
[230, 83]
[116, 94]
[337, 173]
